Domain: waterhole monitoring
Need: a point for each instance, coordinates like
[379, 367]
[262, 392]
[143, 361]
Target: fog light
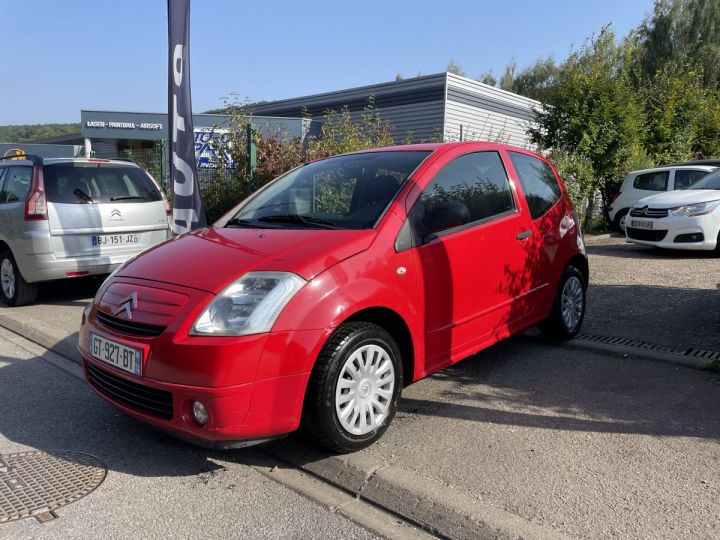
[200, 413]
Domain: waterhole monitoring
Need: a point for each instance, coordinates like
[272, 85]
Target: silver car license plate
[116, 354]
[114, 239]
[641, 224]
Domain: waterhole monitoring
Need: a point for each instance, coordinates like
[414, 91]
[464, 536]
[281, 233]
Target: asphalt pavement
[156, 487]
[525, 439]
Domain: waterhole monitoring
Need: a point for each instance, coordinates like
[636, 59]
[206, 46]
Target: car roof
[710, 162]
[662, 168]
[52, 161]
[432, 147]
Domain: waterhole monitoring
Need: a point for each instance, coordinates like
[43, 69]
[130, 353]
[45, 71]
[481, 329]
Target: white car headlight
[698, 209]
[249, 305]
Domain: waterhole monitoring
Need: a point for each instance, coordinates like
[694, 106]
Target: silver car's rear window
[82, 183]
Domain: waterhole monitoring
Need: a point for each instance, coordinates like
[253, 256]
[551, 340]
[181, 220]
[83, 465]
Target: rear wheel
[568, 309]
[354, 388]
[14, 289]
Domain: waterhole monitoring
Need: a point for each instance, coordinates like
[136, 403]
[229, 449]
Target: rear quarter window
[538, 182]
[685, 177]
[16, 184]
[654, 181]
[102, 182]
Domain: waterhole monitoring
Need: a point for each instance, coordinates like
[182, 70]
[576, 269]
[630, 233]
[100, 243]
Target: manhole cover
[33, 483]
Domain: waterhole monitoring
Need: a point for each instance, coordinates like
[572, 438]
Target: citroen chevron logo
[115, 213]
[127, 305]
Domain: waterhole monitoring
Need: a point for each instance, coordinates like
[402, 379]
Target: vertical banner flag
[188, 211]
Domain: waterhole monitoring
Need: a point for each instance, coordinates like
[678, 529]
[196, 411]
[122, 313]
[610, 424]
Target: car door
[472, 271]
[550, 220]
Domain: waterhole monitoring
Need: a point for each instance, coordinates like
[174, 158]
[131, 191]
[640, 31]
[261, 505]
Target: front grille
[129, 327]
[647, 236]
[652, 213]
[136, 396]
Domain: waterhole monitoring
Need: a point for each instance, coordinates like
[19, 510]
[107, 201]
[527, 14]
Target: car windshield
[709, 181]
[344, 192]
[92, 182]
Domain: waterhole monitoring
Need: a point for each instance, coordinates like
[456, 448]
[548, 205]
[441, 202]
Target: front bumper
[677, 230]
[252, 386]
[238, 415]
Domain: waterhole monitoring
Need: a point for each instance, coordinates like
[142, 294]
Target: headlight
[250, 305]
[698, 209]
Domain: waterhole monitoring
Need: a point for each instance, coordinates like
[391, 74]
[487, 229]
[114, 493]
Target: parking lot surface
[671, 298]
[573, 442]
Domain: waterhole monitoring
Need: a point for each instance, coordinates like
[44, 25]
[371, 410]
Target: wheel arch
[581, 263]
[396, 326]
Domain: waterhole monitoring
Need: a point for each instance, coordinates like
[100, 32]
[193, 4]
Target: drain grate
[710, 356]
[36, 483]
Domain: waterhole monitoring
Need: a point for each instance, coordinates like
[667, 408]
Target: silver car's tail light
[36, 203]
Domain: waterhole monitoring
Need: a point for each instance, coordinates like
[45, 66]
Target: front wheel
[620, 222]
[354, 388]
[14, 289]
[568, 310]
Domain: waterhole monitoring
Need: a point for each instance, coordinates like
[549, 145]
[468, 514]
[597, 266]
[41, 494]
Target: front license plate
[641, 224]
[116, 354]
[114, 239]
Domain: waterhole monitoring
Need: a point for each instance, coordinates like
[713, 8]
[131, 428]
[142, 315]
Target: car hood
[211, 258]
[680, 197]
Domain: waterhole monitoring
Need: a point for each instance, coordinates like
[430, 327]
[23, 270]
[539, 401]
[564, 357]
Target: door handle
[523, 235]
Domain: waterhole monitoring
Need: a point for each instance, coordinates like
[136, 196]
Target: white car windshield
[709, 181]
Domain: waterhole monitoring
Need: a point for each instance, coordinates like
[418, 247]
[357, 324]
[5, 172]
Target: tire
[619, 220]
[15, 291]
[337, 422]
[570, 292]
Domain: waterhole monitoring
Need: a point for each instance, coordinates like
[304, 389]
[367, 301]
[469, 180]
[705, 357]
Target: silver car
[68, 217]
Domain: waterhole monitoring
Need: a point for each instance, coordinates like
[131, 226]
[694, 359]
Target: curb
[435, 507]
[40, 337]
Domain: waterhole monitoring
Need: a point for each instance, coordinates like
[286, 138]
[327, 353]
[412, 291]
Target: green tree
[593, 112]
[536, 80]
[681, 31]
[454, 67]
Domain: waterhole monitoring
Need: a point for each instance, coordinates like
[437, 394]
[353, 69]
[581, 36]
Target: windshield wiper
[129, 198]
[237, 222]
[304, 220]
[80, 194]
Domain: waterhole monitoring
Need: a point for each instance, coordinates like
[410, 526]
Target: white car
[684, 219]
[647, 182]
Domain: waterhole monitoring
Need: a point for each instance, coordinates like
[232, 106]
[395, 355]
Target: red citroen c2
[316, 299]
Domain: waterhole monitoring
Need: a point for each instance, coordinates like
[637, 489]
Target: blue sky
[81, 54]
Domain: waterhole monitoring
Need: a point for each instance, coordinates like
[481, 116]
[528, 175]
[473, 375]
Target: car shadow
[47, 409]
[516, 383]
[627, 250]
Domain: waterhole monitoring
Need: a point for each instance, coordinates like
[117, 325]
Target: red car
[317, 298]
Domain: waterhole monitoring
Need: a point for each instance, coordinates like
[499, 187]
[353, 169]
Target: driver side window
[469, 190]
[477, 180]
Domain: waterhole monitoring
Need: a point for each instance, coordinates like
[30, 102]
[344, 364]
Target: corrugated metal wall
[428, 108]
[413, 107]
[486, 113]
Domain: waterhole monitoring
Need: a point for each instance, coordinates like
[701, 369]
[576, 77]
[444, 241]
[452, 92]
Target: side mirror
[446, 215]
